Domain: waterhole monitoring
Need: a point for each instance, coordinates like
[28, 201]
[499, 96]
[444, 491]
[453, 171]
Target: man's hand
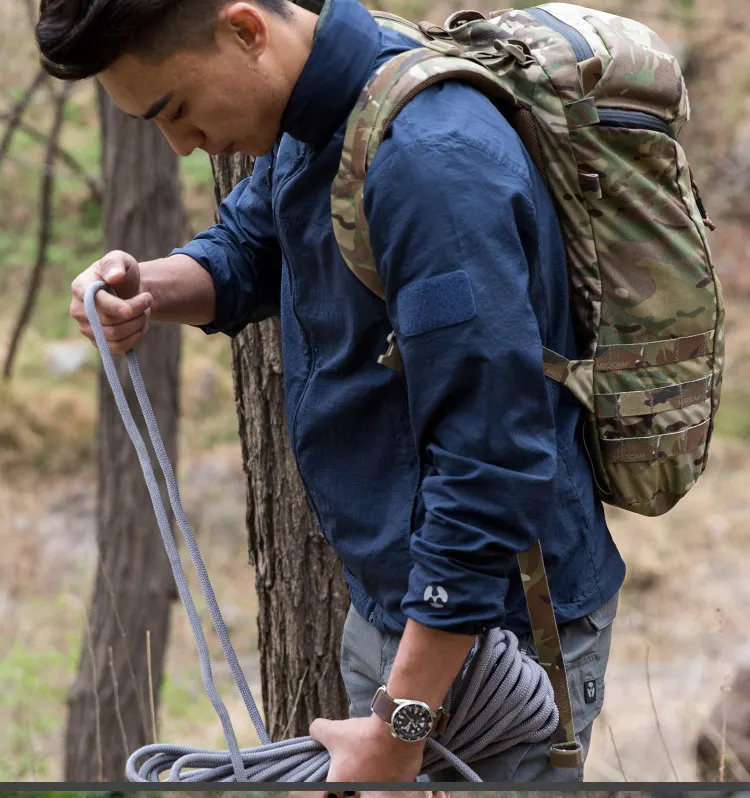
[362, 749]
[124, 317]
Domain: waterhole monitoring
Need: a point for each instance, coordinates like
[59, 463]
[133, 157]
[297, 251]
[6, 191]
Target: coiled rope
[503, 697]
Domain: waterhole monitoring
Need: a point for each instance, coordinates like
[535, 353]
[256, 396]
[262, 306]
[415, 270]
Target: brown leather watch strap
[441, 721]
[384, 706]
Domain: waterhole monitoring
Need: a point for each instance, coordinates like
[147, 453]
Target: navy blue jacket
[426, 482]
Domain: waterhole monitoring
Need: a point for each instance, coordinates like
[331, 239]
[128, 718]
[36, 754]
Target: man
[426, 482]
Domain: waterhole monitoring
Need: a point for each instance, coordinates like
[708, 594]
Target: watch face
[412, 722]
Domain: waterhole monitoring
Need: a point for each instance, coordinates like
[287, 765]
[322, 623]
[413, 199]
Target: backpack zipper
[609, 117]
[581, 48]
[635, 120]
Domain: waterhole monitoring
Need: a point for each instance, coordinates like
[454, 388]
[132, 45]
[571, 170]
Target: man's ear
[247, 23]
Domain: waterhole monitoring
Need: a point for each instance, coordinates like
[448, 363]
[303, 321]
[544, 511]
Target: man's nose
[182, 143]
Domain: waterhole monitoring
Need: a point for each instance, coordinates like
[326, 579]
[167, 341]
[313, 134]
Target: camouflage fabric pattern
[656, 400]
[622, 356]
[566, 751]
[638, 72]
[575, 375]
[647, 303]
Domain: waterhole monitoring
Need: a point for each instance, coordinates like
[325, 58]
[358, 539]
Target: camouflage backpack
[598, 101]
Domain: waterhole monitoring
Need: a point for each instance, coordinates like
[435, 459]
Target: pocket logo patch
[589, 691]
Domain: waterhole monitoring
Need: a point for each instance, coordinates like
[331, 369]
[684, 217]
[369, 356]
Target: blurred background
[684, 621]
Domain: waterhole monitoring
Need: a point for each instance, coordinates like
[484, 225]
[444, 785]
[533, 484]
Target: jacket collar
[345, 46]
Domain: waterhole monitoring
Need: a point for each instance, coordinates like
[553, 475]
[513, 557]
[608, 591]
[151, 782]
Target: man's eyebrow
[157, 106]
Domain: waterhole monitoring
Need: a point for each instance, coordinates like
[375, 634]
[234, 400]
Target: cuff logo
[436, 597]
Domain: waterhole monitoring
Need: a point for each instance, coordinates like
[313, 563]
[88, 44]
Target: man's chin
[252, 152]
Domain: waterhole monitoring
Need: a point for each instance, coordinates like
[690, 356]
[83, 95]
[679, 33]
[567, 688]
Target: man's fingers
[124, 317]
[119, 310]
[121, 347]
[120, 269]
[112, 309]
[86, 330]
[120, 332]
[324, 731]
[120, 337]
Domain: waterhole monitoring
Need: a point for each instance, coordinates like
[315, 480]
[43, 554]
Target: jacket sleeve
[454, 253]
[242, 255]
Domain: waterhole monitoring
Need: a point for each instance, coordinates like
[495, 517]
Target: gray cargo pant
[367, 657]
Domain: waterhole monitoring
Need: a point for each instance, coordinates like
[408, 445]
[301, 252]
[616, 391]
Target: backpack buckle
[459, 18]
[392, 356]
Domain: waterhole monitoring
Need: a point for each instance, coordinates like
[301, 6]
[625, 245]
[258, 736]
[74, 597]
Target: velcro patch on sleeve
[435, 302]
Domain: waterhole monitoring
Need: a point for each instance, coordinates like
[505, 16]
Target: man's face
[222, 100]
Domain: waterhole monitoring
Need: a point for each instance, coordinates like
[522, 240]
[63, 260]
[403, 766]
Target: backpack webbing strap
[566, 751]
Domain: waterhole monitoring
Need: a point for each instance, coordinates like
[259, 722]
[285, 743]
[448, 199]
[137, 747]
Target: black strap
[316, 6]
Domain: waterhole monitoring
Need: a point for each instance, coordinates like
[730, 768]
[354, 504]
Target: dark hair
[79, 38]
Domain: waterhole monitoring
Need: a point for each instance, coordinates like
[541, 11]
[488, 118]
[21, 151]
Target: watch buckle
[380, 690]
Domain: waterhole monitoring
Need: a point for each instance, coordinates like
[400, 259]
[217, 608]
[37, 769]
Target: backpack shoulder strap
[397, 82]
[566, 751]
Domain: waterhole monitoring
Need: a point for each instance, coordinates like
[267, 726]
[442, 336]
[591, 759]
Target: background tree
[302, 594]
[109, 708]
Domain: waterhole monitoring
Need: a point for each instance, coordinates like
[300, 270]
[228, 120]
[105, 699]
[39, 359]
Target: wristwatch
[410, 721]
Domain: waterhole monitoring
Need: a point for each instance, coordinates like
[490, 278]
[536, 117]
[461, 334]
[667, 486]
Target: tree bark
[302, 594]
[109, 713]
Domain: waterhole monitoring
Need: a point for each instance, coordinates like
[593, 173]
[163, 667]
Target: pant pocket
[600, 619]
[586, 644]
[586, 686]
[361, 646]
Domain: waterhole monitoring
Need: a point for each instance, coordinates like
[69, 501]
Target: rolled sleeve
[242, 255]
[453, 252]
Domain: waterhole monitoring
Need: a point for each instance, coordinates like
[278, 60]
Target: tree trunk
[109, 714]
[302, 594]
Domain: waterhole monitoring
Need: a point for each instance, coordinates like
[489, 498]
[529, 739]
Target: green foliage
[182, 698]
[686, 12]
[33, 687]
[75, 114]
[196, 171]
[733, 418]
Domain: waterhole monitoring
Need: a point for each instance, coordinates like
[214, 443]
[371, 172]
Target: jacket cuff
[213, 259]
[467, 604]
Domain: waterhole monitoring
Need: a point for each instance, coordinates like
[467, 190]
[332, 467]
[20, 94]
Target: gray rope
[502, 698]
